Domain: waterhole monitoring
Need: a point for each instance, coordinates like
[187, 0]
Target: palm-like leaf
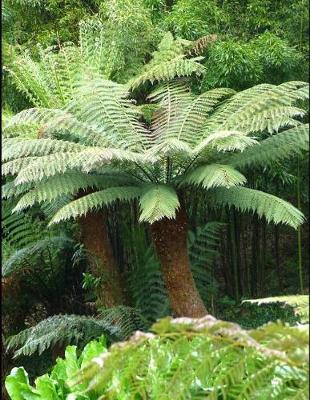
[265, 205]
[157, 202]
[95, 201]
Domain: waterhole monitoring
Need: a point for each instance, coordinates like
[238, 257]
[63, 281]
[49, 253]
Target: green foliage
[117, 323]
[53, 386]
[192, 19]
[232, 64]
[203, 247]
[190, 359]
[167, 155]
[299, 303]
[30, 256]
[252, 316]
[169, 62]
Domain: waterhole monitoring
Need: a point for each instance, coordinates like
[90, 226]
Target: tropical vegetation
[155, 164]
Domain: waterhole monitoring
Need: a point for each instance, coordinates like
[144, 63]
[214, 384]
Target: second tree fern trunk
[170, 240]
[94, 236]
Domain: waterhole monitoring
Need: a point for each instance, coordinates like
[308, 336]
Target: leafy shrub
[53, 386]
[183, 359]
[194, 359]
[298, 304]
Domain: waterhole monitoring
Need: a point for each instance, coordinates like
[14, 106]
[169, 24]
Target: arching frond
[171, 98]
[65, 162]
[10, 190]
[275, 148]
[93, 201]
[261, 107]
[168, 62]
[15, 166]
[169, 70]
[67, 184]
[18, 260]
[190, 118]
[105, 103]
[38, 147]
[33, 169]
[157, 202]
[116, 323]
[214, 175]
[225, 141]
[265, 205]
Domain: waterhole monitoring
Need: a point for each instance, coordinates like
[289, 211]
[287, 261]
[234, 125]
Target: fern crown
[100, 139]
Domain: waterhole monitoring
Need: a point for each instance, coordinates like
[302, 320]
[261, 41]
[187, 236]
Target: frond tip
[264, 204]
[158, 202]
[215, 175]
[94, 201]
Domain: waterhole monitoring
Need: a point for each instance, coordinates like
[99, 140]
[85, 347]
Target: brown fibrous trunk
[94, 237]
[170, 240]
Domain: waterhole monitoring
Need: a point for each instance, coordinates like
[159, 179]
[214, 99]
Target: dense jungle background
[114, 268]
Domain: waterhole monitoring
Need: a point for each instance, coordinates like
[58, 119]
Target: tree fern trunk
[94, 236]
[170, 240]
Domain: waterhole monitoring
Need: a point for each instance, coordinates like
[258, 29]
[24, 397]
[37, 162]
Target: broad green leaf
[17, 386]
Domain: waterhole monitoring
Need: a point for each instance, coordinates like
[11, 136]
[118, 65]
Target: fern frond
[157, 202]
[10, 190]
[190, 119]
[34, 169]
[116, 323]
[258, 108]
[33, 116]
[68, 184]
[202, 250]
[168, 70]
[19, 260]
[275, 148]
[38, 147]
[194, 359]
[15, 166]
[265, 205]
[171, 98]
[225, 141]
[105, 103]
[214, 175]
[93, 201]
[19, 230]
[147, 286]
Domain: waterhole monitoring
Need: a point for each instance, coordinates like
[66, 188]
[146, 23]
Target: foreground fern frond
[194, 359]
